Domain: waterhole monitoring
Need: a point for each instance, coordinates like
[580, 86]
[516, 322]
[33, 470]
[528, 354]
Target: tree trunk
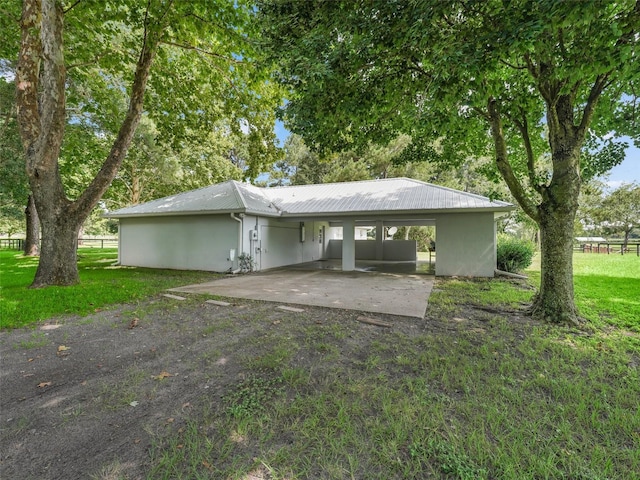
[556, 212]
[58, 258]
[627, 231]
[32, 240]
[554, 302]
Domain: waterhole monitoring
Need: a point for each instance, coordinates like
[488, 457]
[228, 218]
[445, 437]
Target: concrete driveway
[392, 293]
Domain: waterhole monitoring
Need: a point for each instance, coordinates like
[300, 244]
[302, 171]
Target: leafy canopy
[364, 71]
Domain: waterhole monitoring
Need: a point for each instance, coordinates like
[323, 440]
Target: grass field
[607, 288]
[477, 392]
[101, 284]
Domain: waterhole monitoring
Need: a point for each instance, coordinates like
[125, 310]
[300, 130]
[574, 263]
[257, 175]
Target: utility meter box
[253, 234]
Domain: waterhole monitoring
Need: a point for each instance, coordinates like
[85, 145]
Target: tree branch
[85, 64]
[107, 173]
[201, 50]
[522, 125]
[502, 161]
[594, 94]
[515, 67]
[71, 7]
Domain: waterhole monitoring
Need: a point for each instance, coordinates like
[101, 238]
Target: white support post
[348, 246]
[379, 240]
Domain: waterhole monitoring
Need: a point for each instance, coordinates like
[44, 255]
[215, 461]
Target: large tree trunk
[554, 301]
[556, 215]
[58, 258]
[32, 239]
[625, 242]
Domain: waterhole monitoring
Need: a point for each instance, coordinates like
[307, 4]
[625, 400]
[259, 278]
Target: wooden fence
[18, 243]
[610, 247]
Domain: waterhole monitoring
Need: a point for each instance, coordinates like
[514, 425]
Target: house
[210, 228]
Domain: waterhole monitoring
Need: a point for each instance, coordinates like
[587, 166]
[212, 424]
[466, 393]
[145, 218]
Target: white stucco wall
[465, 245]
[198, 242]
[203, 242]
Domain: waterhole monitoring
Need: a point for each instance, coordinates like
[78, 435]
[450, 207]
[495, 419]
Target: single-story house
[210, 228]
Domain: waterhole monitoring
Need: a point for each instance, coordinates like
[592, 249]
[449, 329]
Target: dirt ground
[83, 396]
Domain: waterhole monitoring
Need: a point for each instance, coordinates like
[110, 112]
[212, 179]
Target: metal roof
[227, 197]
[387, 195]
[393, 195]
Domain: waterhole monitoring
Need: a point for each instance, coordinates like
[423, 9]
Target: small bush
[514, 255]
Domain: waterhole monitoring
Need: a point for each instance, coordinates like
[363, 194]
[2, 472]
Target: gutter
[240, 235]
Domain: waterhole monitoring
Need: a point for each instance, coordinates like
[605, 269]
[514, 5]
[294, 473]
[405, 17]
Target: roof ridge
[238, 186]
[238, 193]
[333, 183]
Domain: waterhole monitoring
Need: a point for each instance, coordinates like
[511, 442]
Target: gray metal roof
[393, 195]
[227, 197]
[388, 195]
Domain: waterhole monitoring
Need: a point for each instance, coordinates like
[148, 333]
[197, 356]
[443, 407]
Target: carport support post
[348, 246]
[379, 240]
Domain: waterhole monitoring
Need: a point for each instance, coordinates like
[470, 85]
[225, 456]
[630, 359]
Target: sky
[627, 172]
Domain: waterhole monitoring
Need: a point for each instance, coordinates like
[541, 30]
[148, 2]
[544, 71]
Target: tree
[16, 203]
[619, 211]
[205, 68]
[530, 83]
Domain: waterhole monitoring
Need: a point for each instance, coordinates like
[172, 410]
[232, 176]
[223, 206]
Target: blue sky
[627, 172]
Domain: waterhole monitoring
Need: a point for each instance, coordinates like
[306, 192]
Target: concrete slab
[218, 303]
[290, 309]
[395, 294]
[173, 297]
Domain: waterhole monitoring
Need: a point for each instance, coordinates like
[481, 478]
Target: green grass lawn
[102, 283]
[607, 288]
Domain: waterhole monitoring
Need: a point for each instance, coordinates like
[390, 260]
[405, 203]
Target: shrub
[513, 254]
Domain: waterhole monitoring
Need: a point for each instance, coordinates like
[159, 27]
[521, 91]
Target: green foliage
[514, 254]
[252, 396]
[14, 188]
[619, 211]
[422, 235]
[609, 213]
[362, 72]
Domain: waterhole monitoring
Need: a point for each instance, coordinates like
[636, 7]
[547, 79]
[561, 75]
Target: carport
[465, 223]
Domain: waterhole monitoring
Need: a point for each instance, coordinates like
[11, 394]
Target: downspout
[240, 234]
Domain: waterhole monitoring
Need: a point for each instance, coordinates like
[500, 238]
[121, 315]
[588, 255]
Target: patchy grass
[101, 284]
[469, 395]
